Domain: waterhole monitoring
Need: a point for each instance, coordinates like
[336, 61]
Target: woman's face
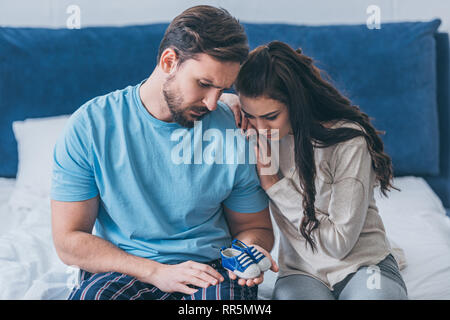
[265, 113]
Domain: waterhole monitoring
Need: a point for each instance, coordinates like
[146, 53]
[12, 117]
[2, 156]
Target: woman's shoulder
[344, 150]
[337, 124]
[345, 124]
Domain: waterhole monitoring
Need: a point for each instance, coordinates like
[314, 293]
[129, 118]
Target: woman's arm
[233, 102]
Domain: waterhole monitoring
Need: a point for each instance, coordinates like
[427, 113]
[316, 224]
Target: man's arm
[72, 224]
[253, 229]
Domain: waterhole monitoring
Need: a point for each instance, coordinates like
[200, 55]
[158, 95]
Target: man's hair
[206, 29]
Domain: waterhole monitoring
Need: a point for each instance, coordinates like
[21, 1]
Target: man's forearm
[260, 236]
[95, 254]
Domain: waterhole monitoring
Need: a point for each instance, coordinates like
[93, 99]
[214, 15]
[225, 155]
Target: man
[159, 225]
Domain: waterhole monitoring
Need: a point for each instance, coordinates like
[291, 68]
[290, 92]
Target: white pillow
[36, 139]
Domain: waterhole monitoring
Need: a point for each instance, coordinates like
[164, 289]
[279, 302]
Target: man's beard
[175, 101]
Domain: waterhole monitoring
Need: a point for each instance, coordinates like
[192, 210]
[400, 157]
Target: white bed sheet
[414, 219]
[29, 265]
[6, 188]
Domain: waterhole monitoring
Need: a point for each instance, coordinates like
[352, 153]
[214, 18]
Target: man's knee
[103, 286]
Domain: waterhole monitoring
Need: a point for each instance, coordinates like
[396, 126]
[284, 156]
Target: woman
[333, 243]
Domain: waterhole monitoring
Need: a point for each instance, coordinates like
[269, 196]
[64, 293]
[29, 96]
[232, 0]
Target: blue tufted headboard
[399, 75]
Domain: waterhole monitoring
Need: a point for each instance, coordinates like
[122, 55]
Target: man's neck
[152, 98]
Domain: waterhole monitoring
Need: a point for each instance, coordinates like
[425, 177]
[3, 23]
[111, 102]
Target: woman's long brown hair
[278, 72]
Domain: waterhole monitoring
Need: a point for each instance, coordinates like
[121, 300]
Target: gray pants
[383, 282]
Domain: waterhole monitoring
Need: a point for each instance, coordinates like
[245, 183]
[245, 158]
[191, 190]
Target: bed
[46, 74]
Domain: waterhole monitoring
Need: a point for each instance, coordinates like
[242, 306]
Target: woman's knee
[377, 285]
[395, 292]
[301, 287]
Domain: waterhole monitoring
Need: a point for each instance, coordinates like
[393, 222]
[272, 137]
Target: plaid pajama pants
[117, 286]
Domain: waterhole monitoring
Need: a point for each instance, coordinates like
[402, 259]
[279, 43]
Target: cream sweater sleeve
[341, 226]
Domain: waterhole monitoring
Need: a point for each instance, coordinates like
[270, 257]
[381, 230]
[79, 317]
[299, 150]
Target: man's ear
[168, 61]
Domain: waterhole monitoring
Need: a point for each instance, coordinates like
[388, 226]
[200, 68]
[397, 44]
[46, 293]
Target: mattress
[414, 219]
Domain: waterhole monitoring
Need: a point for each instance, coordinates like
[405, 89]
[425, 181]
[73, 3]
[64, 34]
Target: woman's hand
[268, 175]
[233, 102]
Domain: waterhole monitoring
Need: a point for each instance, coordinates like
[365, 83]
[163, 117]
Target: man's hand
[260, 278]
[176, 278]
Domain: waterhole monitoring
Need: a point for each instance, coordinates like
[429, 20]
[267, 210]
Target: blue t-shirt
[160, 199]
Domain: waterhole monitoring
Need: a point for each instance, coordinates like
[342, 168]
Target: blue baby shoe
[259, 258]
[239, 262]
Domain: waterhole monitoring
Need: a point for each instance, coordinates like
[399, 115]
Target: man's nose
[210, 100]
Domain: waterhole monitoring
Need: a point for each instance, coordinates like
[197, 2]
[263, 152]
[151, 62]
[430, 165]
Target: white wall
[52, 13]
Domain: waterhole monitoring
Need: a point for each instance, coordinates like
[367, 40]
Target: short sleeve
[247, 195]
[73, 178]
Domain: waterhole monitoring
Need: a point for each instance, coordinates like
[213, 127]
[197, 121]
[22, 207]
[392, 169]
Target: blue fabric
[441, 184]
[152, 206]
[390, 73]
[49, 72]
